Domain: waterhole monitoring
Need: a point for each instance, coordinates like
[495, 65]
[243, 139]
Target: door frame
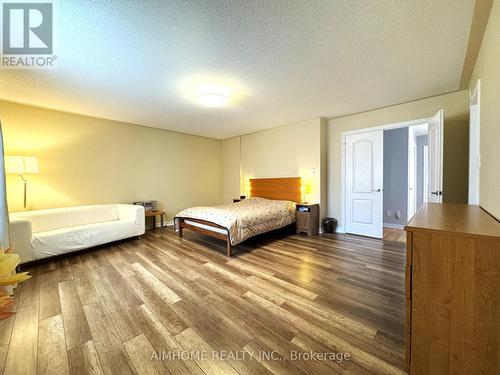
[411, 199]
[425, 187]
[395, 125]
[474, 143]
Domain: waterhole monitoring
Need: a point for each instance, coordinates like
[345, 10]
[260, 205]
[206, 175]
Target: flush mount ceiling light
[213, 96]
[214, 91]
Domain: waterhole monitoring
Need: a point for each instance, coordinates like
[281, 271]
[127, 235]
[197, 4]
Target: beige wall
[488, 70]
[85, 160]
[230, 169]
[456, 128]
[286, 151]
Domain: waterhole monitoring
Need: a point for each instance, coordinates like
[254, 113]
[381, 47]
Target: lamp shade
[305, 187]
[21, 164]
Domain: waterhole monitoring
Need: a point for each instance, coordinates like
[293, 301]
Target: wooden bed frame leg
[179, 230]
[229, 248]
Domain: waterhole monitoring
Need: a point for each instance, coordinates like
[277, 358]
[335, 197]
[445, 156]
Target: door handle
[437, 192]
[377, 191]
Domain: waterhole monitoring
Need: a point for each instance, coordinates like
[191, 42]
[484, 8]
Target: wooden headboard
[287, 188]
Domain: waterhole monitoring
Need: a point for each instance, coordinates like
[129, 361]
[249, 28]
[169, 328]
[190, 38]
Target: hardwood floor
[115, 309]
[394, 235]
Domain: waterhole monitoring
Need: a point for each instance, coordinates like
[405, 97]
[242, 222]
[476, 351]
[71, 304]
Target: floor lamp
[21, 165]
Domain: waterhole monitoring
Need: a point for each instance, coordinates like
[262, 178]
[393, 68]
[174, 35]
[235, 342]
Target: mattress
[244, 219]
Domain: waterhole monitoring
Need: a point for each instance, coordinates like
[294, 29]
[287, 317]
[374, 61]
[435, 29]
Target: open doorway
[389, 172]
[396, 183]
[405, 182]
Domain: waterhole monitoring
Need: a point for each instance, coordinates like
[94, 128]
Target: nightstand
[161, 213]
[308, 218]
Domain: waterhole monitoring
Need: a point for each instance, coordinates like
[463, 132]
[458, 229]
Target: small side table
[161, 213]
[308, 218]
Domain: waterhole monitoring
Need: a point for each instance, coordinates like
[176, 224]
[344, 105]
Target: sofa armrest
[134, 213]
[20, 239]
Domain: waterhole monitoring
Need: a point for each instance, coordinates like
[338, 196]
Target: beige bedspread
[246, 218]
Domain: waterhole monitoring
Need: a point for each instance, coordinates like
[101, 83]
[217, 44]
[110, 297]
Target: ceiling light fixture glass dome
[213, 96]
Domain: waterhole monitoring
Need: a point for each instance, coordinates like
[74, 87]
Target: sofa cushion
[65, 240]
[56, 218]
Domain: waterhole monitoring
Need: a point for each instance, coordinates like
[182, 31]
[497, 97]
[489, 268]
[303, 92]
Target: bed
[271, 206]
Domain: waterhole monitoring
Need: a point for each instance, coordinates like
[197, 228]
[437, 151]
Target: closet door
[435, 170]
[364, 183]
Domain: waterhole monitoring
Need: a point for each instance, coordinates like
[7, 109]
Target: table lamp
[305, 188]
[21, 165]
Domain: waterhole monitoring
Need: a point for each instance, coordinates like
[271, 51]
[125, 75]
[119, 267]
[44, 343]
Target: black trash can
[329, 225]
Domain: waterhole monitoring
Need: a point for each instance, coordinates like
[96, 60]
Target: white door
[412, 172]
[474, 144]
[435, 171]
[425, 187]
[364, 183]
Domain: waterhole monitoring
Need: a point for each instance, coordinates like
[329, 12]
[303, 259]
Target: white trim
[474, 143]
[395, 125]
[342, 184]
[411, 141]
[425, 187]
[412, 156]
[441, 156]
[475, 94]
[394, 226]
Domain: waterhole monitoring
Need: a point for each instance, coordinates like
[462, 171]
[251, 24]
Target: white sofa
[45, 233]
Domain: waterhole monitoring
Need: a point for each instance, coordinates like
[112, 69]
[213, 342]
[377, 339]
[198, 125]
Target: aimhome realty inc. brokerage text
[204, 355]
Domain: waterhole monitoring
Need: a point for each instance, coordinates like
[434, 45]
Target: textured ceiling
[285, 61]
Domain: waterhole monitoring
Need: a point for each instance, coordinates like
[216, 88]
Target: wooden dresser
[453, 291]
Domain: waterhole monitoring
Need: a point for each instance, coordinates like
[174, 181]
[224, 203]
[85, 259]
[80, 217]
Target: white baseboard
[394, 226]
